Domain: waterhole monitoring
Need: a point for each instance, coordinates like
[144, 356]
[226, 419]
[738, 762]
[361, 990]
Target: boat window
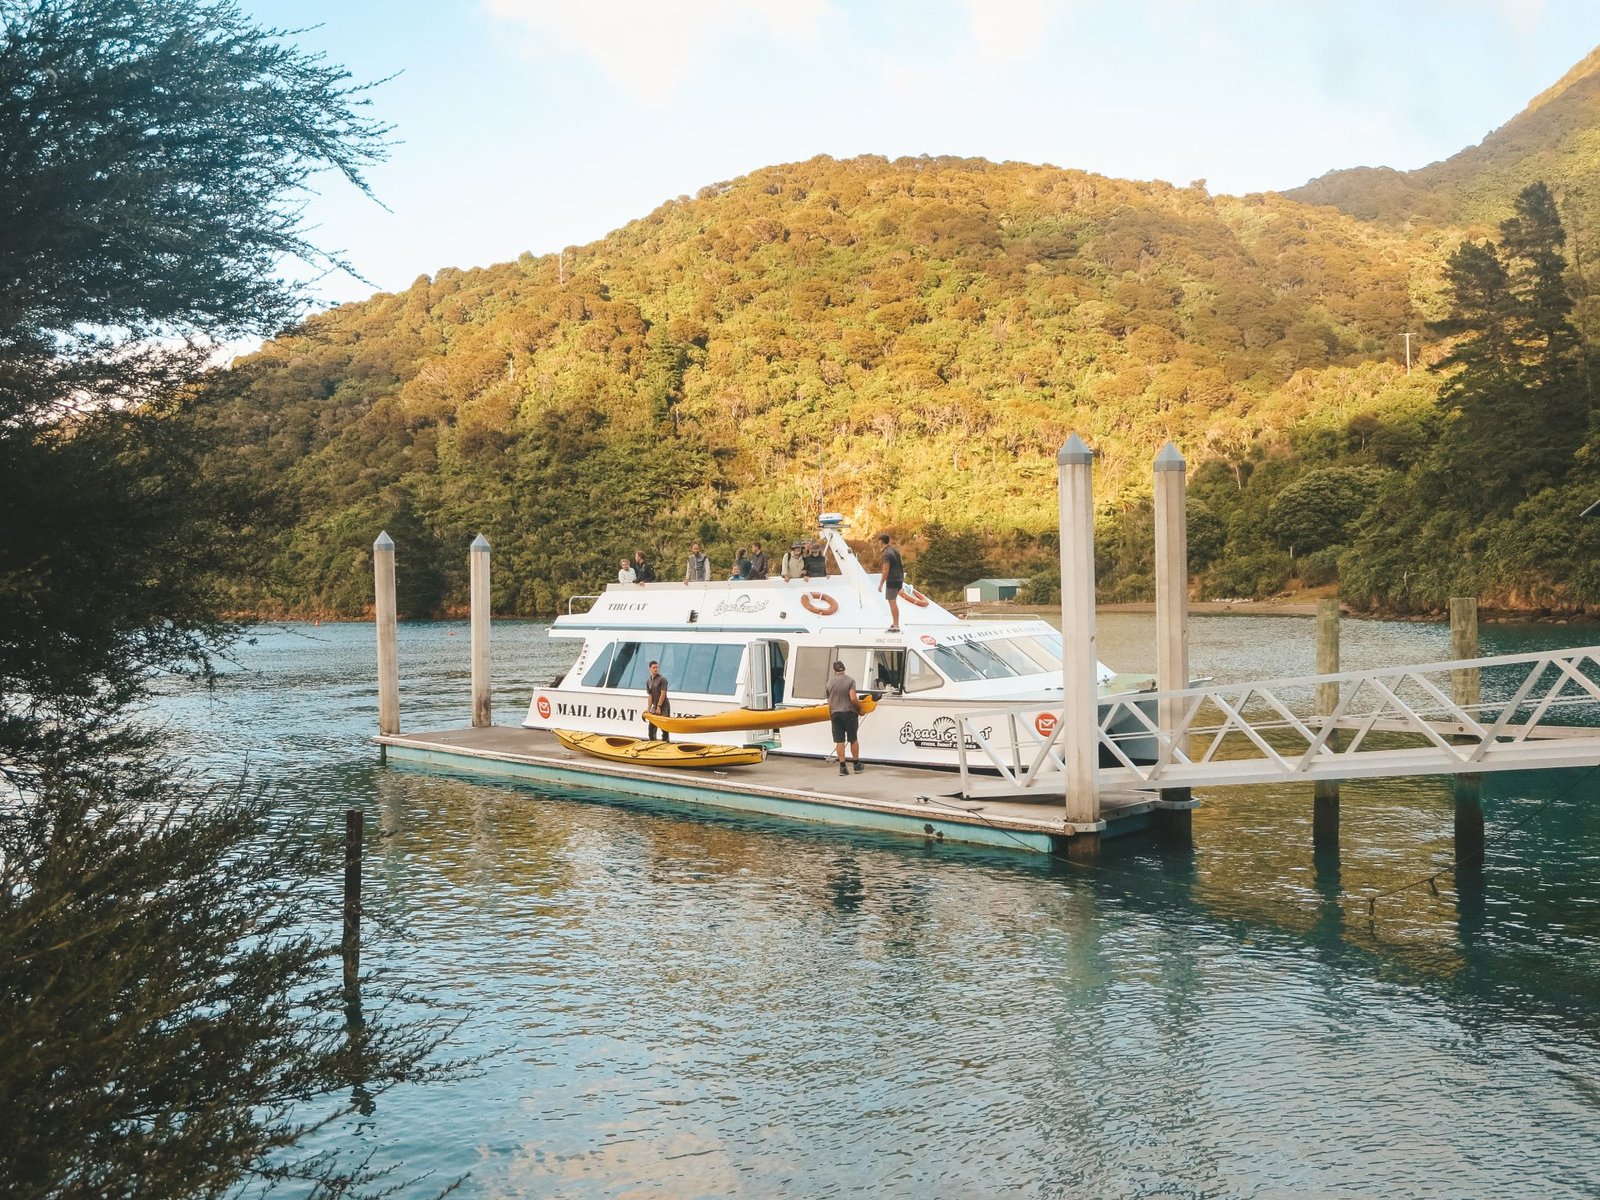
[695, 673]
[965, 661]
[811, 666]
[1040, 652]
[725, 670]
[1052, 642]
[621, 663]
[701, 668]
[989, 663]
[857, 662]
[919, 675]
[596, 675]
[887, 673]
[1014, 656]
[958, 669]
[779, 667]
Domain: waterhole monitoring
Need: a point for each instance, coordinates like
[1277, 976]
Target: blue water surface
[666, 1003]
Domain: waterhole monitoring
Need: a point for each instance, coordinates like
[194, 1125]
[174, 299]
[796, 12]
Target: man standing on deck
[891, 580]
[794, 562]
[844, 710]
[699, 568]
[758, 562]
[643, 572]
[656, 690]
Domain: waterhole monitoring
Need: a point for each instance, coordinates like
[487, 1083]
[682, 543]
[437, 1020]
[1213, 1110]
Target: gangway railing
[1534, 711]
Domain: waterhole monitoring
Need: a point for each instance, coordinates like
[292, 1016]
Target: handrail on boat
[571, 600]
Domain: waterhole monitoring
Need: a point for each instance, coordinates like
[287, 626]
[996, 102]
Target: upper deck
[847, 598]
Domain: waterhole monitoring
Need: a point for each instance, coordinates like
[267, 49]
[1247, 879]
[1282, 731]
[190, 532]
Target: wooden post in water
[388, 653]
[1464, 685]
[1325, 793]
[350, 944]
[1172, 609]
[479, 559]
[1080, 688]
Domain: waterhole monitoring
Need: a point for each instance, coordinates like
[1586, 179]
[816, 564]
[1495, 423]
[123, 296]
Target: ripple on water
[670, 1004]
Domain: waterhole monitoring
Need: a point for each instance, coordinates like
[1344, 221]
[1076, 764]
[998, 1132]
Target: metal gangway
[1507, 713]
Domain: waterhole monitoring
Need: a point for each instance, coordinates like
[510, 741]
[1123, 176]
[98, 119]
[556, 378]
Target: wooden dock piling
[1080, 694]
[1465, 686]
[1325, 793]
[388, 653]
[1172, 611]
[350, 943]
[479, 559]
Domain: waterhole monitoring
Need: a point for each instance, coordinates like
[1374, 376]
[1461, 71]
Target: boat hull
[640, 752]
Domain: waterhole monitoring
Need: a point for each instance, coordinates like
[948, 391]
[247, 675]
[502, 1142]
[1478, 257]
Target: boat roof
[848, 597]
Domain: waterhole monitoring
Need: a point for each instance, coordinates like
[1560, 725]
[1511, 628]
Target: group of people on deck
[636, 570]
[803, 560]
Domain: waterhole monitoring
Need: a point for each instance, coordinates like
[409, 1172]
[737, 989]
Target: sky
[531, 125]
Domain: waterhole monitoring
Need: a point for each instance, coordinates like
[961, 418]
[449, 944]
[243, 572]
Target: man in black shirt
[758, 562]
[844, 710]
[643, 572]
[656, 689]
[891, 580]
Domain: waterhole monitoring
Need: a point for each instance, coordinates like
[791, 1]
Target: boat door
[763, 673]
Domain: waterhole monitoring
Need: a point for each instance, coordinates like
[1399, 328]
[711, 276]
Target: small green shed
[980, 590]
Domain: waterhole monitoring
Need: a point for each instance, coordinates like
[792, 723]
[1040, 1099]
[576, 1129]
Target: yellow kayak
[659, 754]
[750, 718]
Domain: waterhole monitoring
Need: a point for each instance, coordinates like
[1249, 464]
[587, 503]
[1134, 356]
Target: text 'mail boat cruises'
[746, 655]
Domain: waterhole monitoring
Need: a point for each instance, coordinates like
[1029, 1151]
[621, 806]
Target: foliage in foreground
[171, 1009]
[167, 1024]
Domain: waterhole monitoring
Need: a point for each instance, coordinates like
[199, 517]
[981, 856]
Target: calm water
[681, 1005]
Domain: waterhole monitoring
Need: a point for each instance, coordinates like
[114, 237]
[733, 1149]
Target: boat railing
[573, 600]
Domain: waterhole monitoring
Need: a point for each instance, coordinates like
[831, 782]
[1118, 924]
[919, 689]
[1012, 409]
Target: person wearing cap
[794, 562]
[844, 710]
[816, 560]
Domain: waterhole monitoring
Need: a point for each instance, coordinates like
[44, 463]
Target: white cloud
[1007, 31]
[1524, 16]
[649, 47]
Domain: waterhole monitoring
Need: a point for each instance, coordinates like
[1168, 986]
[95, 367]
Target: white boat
[769, 645]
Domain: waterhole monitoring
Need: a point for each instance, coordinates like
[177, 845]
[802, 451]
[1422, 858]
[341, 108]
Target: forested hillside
[1555, 139]
[910, 342]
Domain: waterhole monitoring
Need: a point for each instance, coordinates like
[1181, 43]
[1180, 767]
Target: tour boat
[768, 646]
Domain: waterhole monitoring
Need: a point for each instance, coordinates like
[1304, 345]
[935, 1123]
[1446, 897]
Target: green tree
[163, 1013]
[1515, 396]
[1315, 511]
[950, 560]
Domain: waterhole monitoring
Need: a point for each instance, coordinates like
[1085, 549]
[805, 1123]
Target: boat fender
[911, 596]
[821, 603]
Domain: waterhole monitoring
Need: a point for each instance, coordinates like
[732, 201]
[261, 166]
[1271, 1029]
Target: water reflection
[684, 1004]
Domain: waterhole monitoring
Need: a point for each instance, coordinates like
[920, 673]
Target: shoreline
[1000, 608]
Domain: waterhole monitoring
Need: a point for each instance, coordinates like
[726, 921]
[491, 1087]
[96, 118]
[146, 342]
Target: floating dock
[911, 801]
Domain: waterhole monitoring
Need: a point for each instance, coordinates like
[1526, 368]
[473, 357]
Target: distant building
[980, 590]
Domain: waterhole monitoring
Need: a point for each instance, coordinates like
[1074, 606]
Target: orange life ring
[820, 603]
[911, 596]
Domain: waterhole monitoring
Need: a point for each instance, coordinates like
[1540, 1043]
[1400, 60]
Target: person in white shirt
[625, 573]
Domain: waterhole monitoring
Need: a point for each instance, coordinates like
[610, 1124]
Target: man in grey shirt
[699, 568]
[844, 710]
